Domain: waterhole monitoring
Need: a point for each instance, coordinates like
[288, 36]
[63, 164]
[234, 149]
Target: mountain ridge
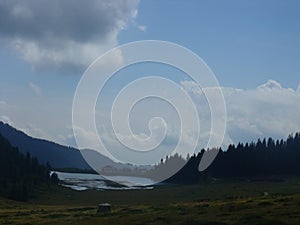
[59, 156]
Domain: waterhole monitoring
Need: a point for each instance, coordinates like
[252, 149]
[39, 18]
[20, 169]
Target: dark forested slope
[57, 155]
[19, 173]
[263, 158]
[45, 151]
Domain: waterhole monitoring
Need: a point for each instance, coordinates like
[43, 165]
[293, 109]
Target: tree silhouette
[256, 159]
[19, 174]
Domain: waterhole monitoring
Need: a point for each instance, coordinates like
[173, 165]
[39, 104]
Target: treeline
[263, 158]
[19, 173]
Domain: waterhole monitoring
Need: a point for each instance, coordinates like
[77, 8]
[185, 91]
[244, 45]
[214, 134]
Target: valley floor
[220, 202]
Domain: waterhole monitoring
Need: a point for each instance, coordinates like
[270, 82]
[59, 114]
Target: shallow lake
[84, 181]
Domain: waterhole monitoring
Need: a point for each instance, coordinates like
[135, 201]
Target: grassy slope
[223, 202]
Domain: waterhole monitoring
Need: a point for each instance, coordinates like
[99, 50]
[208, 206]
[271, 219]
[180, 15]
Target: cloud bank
[269, 110]
[63, 34]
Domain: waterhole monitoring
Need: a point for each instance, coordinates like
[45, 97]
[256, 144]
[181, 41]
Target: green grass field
[220, 202]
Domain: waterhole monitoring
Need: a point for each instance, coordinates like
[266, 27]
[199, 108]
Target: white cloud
[7, 120]
[142, 28]
[191, 86]
[268, 110]
[63, 35]
[34, 131]
[36, 89]
[87, 139]
[270, 85]
[4, 112]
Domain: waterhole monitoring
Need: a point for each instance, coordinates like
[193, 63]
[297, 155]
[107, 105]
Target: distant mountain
[58, 156]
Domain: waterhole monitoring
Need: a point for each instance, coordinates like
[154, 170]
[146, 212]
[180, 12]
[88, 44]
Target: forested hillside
[59, 156]
[19, 173]
[45, 151]
[263, 158]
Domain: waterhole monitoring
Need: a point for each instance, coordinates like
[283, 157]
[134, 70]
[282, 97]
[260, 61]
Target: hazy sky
[253, 47]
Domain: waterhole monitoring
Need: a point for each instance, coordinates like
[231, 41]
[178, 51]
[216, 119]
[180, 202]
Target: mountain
[57, 155]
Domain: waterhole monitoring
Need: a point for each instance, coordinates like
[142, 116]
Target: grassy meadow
[219, 202]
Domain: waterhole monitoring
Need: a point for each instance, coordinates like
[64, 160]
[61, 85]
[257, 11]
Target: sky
[252, 47]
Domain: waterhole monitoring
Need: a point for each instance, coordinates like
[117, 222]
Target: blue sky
[253, 47]
[244, 42]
